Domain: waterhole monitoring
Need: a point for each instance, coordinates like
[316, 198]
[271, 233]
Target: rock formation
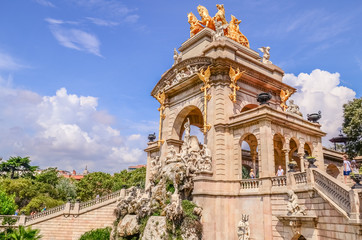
[168, 196]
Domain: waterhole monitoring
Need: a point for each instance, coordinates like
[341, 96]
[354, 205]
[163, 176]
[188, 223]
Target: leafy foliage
[23, 233]
[97, 234]
[93, 184]
[188, 208]
[352, 126]
[17, 166]
[49, 176]
[7, 206]
[39, 202]
[126, 179]
[66, 189]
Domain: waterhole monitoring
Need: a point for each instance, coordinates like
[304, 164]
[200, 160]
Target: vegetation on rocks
[352, 127]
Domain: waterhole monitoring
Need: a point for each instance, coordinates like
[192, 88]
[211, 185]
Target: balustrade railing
[45, 213]
[8, 218]
[279, 181]
[300, 178]
[333, 190]
[250, 184]
[95, 201]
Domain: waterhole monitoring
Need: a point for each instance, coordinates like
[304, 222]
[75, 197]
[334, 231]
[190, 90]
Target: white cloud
[321, 90]
[64, 130]
[45, 3]
[7, 62]
[74, 38]
[102, 22]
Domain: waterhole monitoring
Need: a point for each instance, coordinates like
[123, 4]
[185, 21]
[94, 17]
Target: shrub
[97, 234]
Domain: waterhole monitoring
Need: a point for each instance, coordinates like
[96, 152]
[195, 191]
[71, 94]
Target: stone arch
[308, 149]
[279, 156]
[333, 170]
[193, 113]
[249, 156]
[248, 107]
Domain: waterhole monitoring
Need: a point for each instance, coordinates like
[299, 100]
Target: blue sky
[76, 75]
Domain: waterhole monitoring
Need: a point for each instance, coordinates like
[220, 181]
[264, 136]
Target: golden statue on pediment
[231, 30]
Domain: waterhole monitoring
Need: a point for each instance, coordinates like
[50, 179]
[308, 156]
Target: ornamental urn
[314, 117]
[263, 98]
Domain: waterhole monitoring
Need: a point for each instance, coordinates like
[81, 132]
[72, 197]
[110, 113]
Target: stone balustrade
[300, 178]
[333, 189]
[250, 183]
[45, 213]
[279, 181]
[65, 209]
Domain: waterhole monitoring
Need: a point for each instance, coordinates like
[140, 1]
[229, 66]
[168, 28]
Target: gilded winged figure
[284, 95]
[204, 75]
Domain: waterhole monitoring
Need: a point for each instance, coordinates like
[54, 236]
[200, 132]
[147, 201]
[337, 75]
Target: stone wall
[331, 223]
[72, 227]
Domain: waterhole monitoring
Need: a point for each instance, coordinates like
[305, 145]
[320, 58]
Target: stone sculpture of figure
[195, 25]
[190, 69]
[219, 31]
[171, 155]
[206, 158]
[293, 207]
[294, 108]
[176, 57]
[266, 54]
[243, 228]
[206, 20]
[234, 33]
[187, 130]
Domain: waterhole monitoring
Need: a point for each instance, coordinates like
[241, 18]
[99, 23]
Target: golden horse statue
[206, 20]
[235, 34]
[195, 25]
[220, 15]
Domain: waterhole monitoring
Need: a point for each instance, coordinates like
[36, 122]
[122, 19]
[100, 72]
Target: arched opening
[195, 116]
[248, 107]
[293, 153]
[249, 156]
[333, 170]
[307, 150]
[279, 156]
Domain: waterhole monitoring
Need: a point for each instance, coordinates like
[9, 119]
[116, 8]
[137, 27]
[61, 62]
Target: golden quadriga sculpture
[231, 30]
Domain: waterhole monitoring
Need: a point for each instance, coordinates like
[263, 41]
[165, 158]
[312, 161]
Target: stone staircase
[66, 210]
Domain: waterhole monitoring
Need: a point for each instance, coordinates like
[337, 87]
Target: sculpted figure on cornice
[176, 57]
[294, 108]
[266, 55]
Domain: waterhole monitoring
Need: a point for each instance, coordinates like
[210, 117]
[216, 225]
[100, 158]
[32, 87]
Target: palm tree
[23, 233]
[17, 164]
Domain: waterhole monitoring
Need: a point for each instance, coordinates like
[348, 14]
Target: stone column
[266, 150]
[254, 155]
[301, 160]
[286, 154]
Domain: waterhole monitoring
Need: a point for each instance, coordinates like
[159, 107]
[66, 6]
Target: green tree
[49, 176]
[23, 233]
[40, 201]
[23, 188]
[66, 189]
[93, 184]
[17, 165]
[352, 126]
[130, 178]
[7, 206]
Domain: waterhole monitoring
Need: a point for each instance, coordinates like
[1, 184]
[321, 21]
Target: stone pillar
[254, 160]
[301, 160]
[286, 154]
[152, 150]
[266, 150]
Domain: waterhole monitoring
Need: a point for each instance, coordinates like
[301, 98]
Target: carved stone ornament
[266, 55]
[294, 108]
[294, 209]
[243, 230]
[177, 57]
